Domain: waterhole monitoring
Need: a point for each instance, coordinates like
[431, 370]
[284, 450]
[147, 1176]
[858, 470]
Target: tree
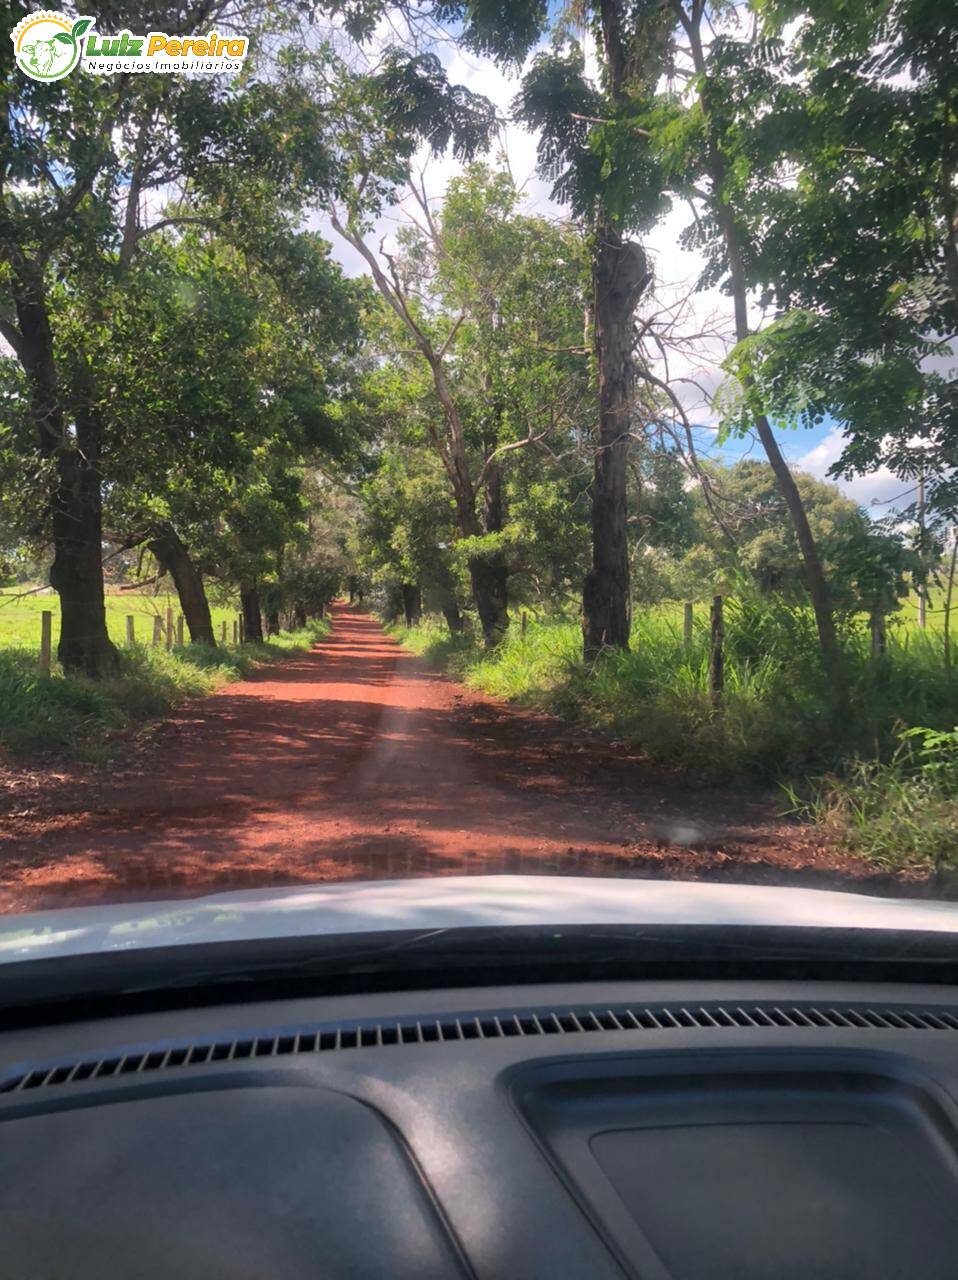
[223, 371]
[617, 190]
[81, 160]
[492, 303]
[870, 568]
[617, 193]
[408, 526]
[703, 143]
[859, 253]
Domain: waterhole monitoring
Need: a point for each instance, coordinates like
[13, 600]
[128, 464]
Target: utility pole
[922, 594]
[949, 592]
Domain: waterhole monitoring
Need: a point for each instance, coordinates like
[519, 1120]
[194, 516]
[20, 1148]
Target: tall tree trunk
[452, 614]
[489, 574]
[878, 632]
[77, 570]
[252, 617]
[75, 496]
[488, 581]
[411, 603]
[620, 274]
[814, 573]
[174, 559]
[731, 234]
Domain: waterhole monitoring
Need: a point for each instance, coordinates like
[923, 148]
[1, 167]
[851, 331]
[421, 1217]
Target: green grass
[901, 812]
[773, 720]
[935, 613]
[20, 617]
[870, 793]
[72, 718]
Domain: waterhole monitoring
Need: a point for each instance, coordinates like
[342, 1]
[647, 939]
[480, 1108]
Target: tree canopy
[487, 416]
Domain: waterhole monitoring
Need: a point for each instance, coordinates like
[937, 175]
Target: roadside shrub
[902, 812]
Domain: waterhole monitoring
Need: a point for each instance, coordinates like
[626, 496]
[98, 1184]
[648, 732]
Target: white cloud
[877, 491]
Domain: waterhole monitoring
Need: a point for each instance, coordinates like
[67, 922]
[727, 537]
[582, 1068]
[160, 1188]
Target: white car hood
[449, 903]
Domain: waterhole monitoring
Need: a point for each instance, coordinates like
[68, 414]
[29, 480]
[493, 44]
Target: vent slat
[838, 1019]
[705, 1019]
[910, 1019]
[798, 1018]
[505, 1024]
[932, 1020]
[882, 1020]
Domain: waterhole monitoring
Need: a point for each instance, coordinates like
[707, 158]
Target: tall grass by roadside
[71, 717]
[901, 812]
[883, 782]
[773, 722]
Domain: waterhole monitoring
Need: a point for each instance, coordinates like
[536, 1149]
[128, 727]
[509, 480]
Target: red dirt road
[354, 762]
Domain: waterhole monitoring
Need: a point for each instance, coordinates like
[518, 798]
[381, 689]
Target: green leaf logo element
[81, 27]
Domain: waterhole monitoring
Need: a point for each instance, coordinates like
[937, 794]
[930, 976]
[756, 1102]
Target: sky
[677, 271]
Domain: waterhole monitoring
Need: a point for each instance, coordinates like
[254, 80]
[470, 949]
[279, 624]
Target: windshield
[463, 440]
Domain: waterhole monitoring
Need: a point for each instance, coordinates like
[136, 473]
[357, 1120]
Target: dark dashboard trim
[118, 983]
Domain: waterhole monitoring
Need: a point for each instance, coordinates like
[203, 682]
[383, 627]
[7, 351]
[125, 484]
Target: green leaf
[81, 27]
[64, 38]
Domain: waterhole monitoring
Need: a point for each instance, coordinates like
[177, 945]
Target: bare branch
[506, 448]
[633, 128]
[177, 220]
[452, 334]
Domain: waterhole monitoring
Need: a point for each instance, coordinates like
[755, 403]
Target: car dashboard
[672, 1130]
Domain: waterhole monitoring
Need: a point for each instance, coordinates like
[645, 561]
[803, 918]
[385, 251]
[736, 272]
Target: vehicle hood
[453, 902]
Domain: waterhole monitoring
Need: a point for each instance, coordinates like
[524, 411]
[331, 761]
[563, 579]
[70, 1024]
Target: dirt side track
[352, 762]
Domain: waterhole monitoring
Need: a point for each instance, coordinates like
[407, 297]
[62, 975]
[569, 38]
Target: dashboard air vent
[373, 1033]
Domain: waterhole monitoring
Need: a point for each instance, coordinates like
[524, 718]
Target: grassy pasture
[20, 616]
[74, 718]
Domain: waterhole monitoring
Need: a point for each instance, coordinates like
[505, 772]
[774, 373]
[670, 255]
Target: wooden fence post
[46, 641]
[169, 627]
[235, 631]
[242, 630]
[878, 633]
[179, 631]
[716, 657]
[522, 622]
[223, 633]
[157, 631]
[130, 629]
[687, 624]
